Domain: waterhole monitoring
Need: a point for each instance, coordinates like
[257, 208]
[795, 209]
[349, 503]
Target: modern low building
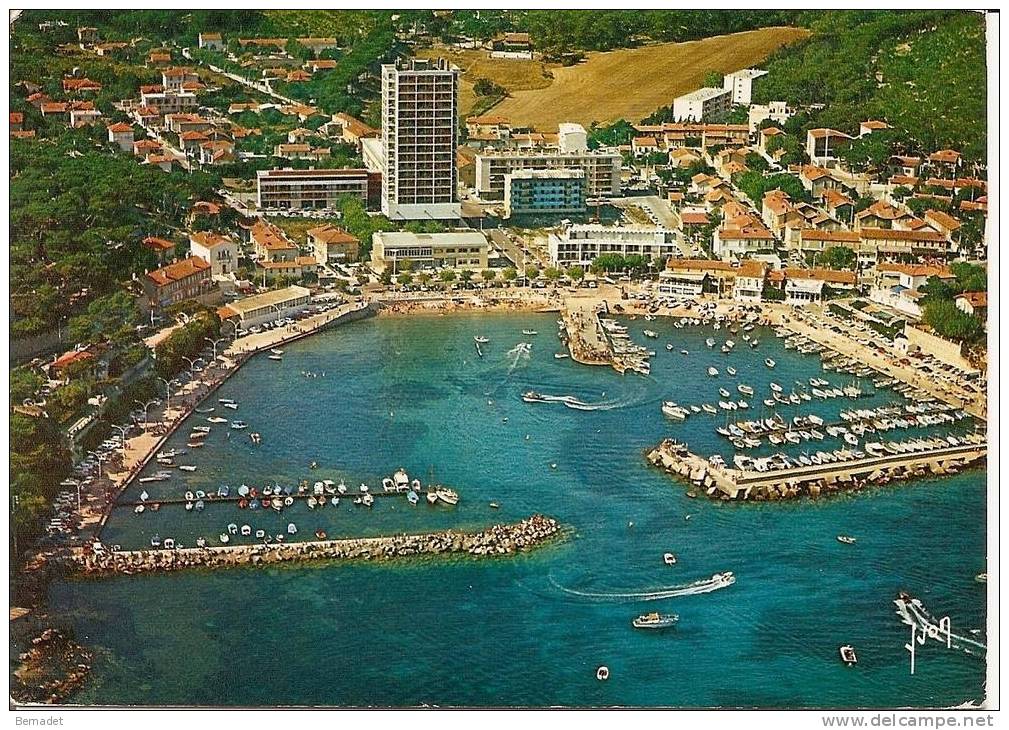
[601, 169]
[462, 249]
[580, 244]
[702, 105]
[544, 191]
[314, 189]
[188, 279]
[265, 307]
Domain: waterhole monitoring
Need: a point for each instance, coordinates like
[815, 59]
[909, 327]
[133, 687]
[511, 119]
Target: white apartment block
[169, 102]
[420, 105]
[456, 249]
[702, 105]
[740, 83]
[601, 169]
[580, 244]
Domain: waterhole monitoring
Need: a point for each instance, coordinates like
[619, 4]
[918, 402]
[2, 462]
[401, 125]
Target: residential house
[145, 147]
[87, 36]
[881, 215]
[173, 78]
[641, 146]
[839, 205]
[221, 252]
[109, 49]
[318, 45]
[332, 245]
[904, 165]
[945, 162]
[300, 151]
[83, 113]
[17, 120]
[822, 145]
[217, 152]
[974, 303]
[749, 282]
[777, 111]
[80, 86]
[211, 41]
[766, 135]
[742, 236]
[159, 58]
[488, 128]
[871, 125]
[321, 64]
[270, 243]
[353, 130]
[162, 248]
[188, 279]
[121, 134]
[162, 160]
[944, 223]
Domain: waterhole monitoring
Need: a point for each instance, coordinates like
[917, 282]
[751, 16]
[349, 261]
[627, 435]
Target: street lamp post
[213, 343]
[145, 406]
[100, 459]
[122, 432]
[15, 503]
[168, 395]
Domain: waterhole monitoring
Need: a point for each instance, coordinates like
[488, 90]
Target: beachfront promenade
[101, 497]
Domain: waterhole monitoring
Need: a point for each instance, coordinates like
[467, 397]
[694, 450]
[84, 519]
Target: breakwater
[722, 482]
[495, 540]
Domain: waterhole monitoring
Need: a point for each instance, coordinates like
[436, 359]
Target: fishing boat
[981, 578]
[275, 358]
[412, 497]
[225, 401]
[651, 333]
[205, 410]
[769, 363]
[723, 392]
[713, 372]
[155, 541]
[239, 425]
[708, 408]
[561, 355]
[446, 495]
[292, 529]
[731, 371]
[530, 333]
[710, 342]
[655, 621]
[367, 500]
[480, 340]
[216, 419]
[432, 498]
[276, 352]
[846, 539]
[744, 389]
[187, 467]
[139, 509]
[669, 558]
[232, 406]
[848, 656]
[671, 410]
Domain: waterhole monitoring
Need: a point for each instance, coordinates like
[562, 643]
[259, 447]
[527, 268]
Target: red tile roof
[332, 234]
[975, 298]
[177, 271]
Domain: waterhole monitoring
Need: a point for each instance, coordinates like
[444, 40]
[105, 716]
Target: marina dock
[722, 482]
[494, 540]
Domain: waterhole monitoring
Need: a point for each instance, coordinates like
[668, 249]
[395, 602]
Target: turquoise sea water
[461, 631]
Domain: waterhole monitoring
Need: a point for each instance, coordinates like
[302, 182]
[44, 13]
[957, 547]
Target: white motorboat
[481, 340]
[770, 363]
[744, 389]
[530, 332]
[216, 419]
[731, 371]
[713, 372]
[669, 559]
[239, 425]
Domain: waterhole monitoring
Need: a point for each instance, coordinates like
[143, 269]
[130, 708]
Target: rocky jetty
[494, 540]
[52, 668]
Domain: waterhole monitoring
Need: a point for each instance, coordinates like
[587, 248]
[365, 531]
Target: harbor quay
[850, 472]
[498, 539]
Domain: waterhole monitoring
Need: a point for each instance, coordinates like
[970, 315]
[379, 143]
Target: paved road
[514, 251]
[660, 212]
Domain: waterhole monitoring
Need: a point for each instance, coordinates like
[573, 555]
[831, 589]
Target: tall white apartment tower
[420, 104]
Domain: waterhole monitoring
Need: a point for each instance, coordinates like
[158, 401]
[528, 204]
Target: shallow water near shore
[412, 392]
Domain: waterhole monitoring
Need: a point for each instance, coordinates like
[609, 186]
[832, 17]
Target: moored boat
[655, 620]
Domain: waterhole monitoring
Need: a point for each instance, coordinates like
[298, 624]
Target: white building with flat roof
[420, 109]
[702, 105]
[265, 307]
[581, 244]
[740, 83]
[572, 138]
[601, 169]
[457, 249]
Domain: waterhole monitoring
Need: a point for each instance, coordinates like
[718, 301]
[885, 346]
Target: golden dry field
[629, 83]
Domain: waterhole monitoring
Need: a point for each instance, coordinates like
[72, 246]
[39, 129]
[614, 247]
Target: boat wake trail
[706, 585]
[518, 354]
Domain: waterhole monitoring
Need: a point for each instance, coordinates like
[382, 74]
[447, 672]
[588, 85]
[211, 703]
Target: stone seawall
[494, 540]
